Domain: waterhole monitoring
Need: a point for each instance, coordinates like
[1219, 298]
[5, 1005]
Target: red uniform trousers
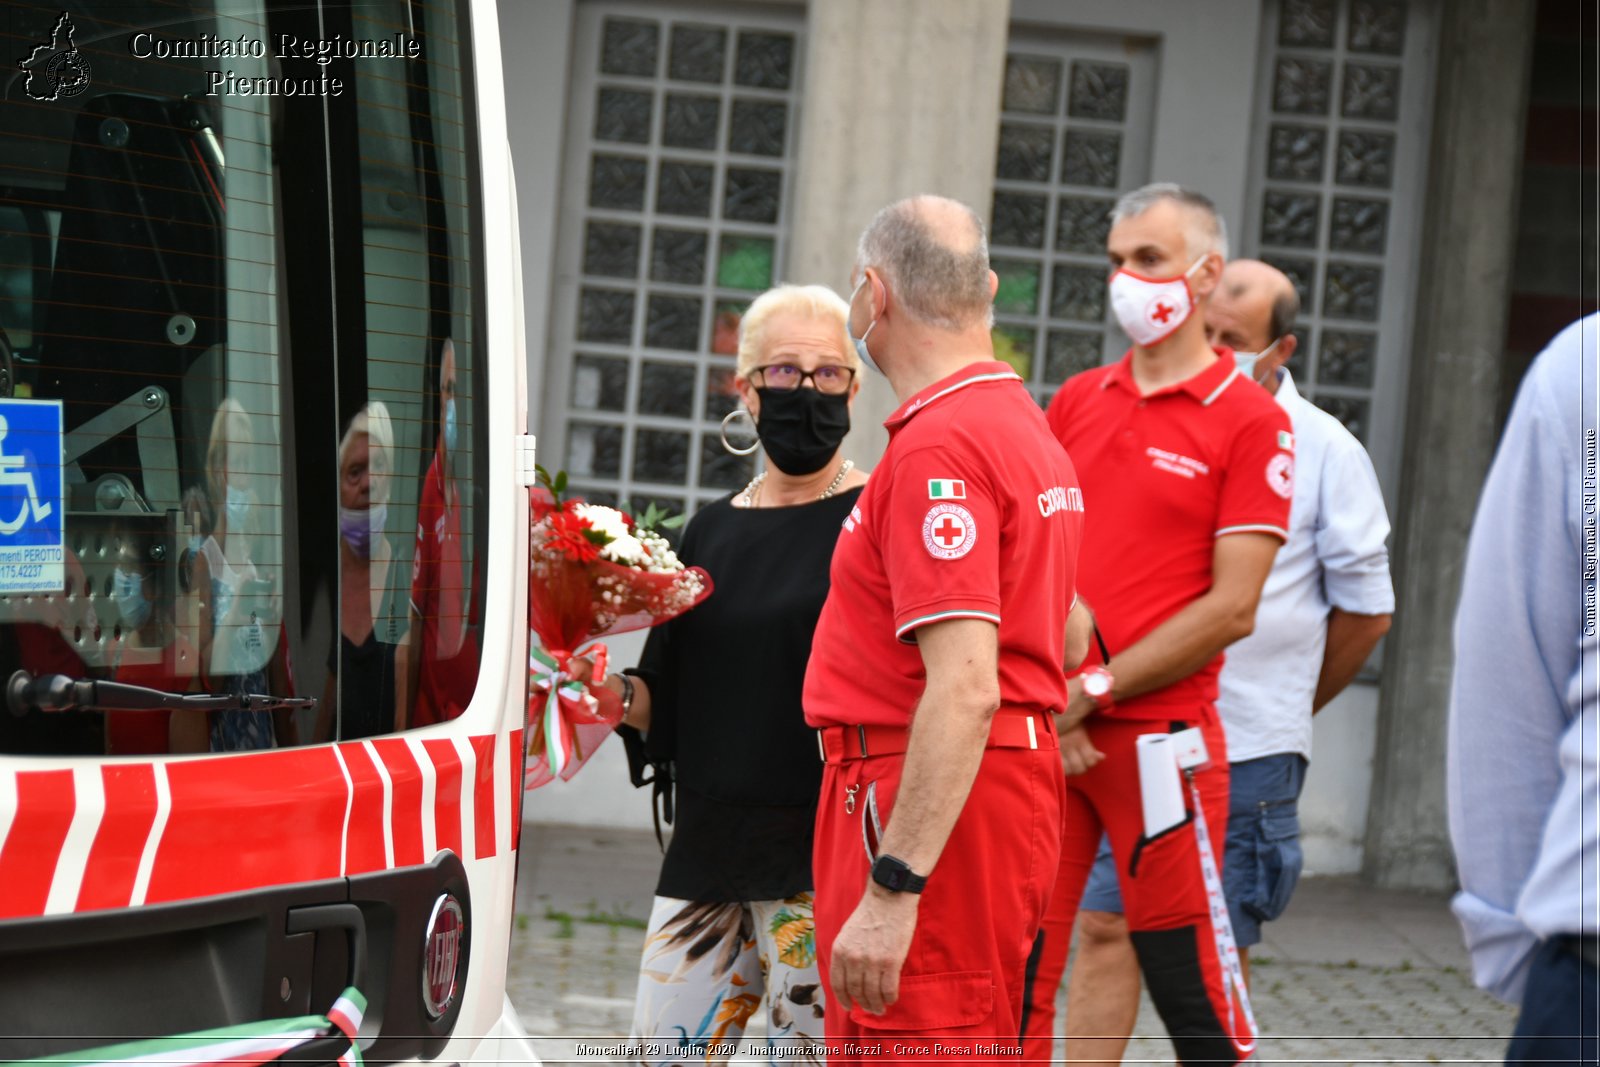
[1163, 896]
[961, 989]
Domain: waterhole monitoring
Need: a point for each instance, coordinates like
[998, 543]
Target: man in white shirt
[1524, 754]
[1326, 603]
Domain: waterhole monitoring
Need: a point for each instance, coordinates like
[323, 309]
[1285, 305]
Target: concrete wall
[1333, 808]
[1461, 323]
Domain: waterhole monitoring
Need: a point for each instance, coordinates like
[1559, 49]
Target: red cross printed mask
[1151, 309]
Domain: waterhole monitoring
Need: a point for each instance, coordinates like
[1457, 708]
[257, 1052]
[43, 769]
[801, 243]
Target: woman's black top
[366, 687]
[725, 685]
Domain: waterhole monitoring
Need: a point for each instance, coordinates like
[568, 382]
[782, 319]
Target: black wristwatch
[896, 877]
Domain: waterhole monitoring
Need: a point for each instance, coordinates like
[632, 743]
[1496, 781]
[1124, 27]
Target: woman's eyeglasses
[830, 378]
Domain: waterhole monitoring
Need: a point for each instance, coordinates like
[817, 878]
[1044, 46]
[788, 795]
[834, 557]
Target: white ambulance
[263, 528]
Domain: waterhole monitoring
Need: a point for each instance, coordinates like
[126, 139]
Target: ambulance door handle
[347, 917]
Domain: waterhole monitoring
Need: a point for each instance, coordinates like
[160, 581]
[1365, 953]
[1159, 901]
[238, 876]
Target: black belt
[1584, 946]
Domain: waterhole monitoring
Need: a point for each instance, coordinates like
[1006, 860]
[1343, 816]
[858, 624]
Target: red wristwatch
[1097, 683]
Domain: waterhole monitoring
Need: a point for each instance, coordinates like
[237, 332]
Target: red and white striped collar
[972, 374]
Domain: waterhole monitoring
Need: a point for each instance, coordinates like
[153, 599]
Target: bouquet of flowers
[593, 571]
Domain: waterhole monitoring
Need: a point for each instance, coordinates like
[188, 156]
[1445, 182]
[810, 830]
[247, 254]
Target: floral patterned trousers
[706, 968]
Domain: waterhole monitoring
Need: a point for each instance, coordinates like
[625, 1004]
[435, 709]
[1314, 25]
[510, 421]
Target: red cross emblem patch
[1280, 475]
[949, 531]
[1164, 311]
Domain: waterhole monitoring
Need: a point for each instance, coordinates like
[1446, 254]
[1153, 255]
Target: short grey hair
[936, 283]
[1207, 232]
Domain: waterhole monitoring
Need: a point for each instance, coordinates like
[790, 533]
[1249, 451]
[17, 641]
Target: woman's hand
[582, 668]
[1078, 753]
[609, 692]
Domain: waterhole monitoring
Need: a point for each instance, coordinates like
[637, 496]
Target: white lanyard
[1221, 925]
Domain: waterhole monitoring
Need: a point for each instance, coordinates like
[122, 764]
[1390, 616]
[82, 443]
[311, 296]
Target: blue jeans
[1560, 1010]
[1261, 860]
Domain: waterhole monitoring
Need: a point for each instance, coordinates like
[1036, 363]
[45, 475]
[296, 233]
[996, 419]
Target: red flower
[568, 536]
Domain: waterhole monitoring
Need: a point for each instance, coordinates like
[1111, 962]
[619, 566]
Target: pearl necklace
[752, 492]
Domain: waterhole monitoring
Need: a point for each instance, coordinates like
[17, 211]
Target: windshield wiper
[52, 693]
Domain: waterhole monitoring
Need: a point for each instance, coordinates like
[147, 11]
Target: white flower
[662, 559]
[625, 549]
[605, 521]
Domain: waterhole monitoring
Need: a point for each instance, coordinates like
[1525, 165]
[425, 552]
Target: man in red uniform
[1188, 468]
[936, 665]
[442, 652]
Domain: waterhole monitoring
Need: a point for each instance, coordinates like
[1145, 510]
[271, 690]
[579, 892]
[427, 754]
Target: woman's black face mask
[802, 428]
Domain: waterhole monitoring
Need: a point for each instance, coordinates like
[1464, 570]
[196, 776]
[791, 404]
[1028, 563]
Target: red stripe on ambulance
[406, 820]
[516, 751]
[28, 857]
[364, 840]
[447, 795]
[483, 796]
[269, 818]
[240, 822]
[114, 857]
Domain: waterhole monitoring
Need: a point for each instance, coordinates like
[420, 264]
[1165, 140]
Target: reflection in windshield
[442, 653]
[152, 643]
[170, 265]
[240, 607]
[361, 668]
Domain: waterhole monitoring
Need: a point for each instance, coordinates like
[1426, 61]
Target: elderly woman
[717, 693]
[241, 648]
[361, 668]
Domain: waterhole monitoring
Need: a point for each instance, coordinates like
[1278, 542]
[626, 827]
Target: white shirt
[1523, 775]
[1335, 558]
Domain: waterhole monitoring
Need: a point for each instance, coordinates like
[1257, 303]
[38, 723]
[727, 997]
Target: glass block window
[1075, 125]
[1337, 171]
[679, 150]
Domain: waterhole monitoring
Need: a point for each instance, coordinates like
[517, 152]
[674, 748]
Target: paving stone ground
[1350, 975]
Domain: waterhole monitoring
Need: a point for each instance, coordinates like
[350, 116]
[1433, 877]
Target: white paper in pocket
[1189, 748]
[1160, 788]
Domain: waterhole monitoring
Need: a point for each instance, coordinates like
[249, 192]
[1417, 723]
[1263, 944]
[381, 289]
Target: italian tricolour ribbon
[564, 693]
[236, 1046]
[1221, 925]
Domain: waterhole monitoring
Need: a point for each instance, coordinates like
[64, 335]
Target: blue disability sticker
[32, 502]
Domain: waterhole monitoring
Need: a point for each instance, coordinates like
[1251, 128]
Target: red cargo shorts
[961, 988]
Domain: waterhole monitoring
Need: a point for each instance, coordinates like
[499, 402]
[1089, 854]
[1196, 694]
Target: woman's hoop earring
[729, 417]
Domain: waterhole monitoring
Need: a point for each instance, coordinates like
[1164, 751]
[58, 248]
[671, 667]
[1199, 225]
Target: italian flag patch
[947, 489]
[1286, 440]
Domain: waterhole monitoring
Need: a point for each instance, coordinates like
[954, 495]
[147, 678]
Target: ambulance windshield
[239, 353]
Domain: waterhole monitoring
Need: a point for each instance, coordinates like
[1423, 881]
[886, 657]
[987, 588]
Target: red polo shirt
[1165, 475]
[974, 512]
[443, 600]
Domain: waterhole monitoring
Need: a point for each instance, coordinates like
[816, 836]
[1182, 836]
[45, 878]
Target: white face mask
[1246, 361]
[1151, 309]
